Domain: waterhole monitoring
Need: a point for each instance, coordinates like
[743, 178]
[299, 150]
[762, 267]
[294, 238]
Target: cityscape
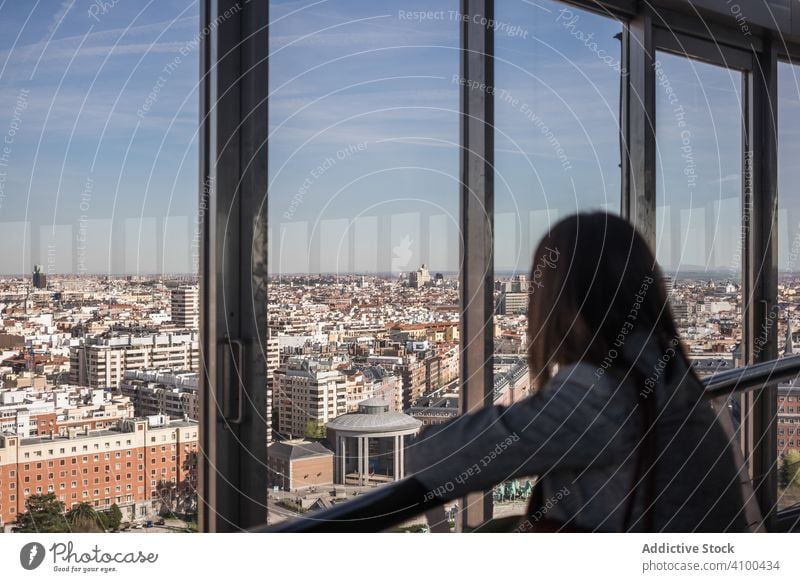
[99, 403]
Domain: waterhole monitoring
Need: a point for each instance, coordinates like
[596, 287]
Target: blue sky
[363, 136]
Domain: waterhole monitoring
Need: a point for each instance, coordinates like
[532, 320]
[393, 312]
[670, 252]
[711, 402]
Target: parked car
[160, 521]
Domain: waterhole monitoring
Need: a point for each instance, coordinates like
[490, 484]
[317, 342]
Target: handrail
[392, 504]
[751, 377]
[378, 510]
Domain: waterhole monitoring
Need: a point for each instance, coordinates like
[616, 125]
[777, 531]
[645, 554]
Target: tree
[113, 517]
[44, 514]
[315, 429]
[84, 518]
[187, 487]
[790, 469]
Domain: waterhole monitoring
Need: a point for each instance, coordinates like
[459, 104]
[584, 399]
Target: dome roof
[372, 422]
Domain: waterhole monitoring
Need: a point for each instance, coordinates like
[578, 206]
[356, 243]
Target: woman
[618, 430]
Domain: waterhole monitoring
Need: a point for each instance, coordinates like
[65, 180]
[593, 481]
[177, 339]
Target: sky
[99, 102]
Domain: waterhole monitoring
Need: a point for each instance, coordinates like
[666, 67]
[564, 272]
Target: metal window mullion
[477, 221]
[638, 127]
[233, 264]
[760, 270]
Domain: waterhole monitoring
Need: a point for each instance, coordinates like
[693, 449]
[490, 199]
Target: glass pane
[364, 240]
[557, 152]
[99, 203]
[788, 279]
[699, 197]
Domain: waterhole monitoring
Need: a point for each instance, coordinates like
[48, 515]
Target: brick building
[132, 465]
[299, 464]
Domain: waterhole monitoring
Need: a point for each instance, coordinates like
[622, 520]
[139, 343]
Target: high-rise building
[186, 306]
[513, 303]
[39, 277]
[309, 394]
[102, 362]
[419, 278]
[519, 284]
[273, 362]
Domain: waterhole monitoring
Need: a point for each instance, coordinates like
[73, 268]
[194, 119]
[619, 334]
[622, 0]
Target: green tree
[790, 469]
[113, 517]
[43, 514]
[85, 519]
[315, 429]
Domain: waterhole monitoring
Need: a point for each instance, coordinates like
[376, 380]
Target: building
[39, 277]
[419, 278]
[299, 464]
[512, 303]
[370, 444]
[140, 464]
[435, 408]
[511, 380]
[413, 376]
[102, 362]
[171, 394]
[519, 284]
[273, 358]
[309, 393]
[185, 307]
[365, 382]
[788, 418]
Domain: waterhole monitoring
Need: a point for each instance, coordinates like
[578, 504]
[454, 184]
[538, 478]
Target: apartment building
[131, 465]
[102, 362]
[273, 359]
[185, 306]
[308, 390]
[365, 382]
[173, 394]
[30, 413]
[788, 418]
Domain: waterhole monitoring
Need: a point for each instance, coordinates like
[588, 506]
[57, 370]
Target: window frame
[233, 270]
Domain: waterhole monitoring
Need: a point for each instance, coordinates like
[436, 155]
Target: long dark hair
[594, 280]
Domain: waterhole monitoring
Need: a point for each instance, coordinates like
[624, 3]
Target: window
[699, 236]
[787, 319]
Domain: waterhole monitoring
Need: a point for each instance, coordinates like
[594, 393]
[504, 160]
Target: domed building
[370, 443]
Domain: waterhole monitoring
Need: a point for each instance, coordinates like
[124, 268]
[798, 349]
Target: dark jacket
[579, 435]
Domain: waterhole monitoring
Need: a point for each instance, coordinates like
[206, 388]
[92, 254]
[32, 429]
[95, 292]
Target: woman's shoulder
[579, 374]
[589, 387]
